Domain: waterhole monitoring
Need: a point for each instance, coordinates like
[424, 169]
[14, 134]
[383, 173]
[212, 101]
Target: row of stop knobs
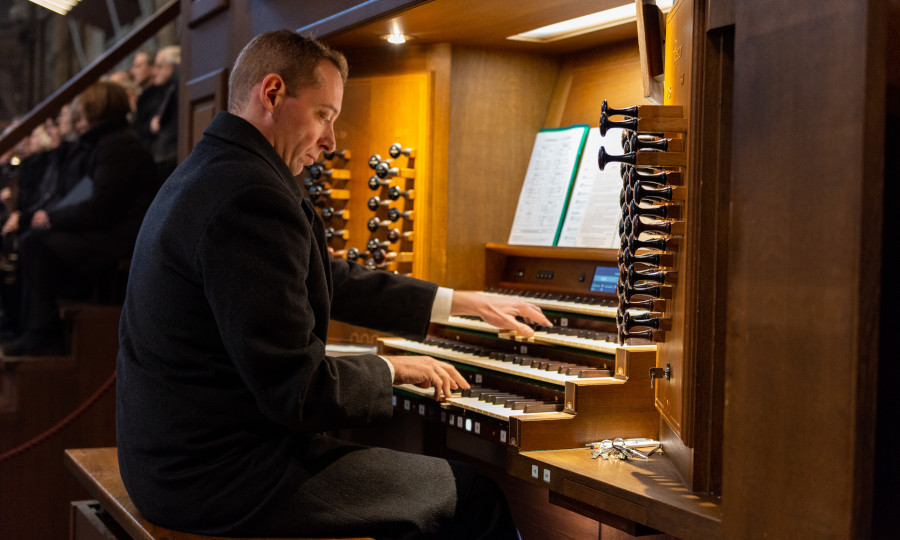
[391, 223]
[325, 185]
[652, 220]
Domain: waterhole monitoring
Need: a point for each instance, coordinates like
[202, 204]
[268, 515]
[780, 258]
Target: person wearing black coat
[223, 384]
[108, 181]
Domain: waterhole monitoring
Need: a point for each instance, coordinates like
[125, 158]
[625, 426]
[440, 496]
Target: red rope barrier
[71, 417]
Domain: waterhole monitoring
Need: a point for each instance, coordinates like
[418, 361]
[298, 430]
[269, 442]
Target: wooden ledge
[631, 495]
[98, 470]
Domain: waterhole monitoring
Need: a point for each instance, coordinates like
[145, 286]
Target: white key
[597, 345]
[484, 362]
[570, 307]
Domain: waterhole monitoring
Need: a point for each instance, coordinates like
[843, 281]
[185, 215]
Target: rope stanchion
[71, 417]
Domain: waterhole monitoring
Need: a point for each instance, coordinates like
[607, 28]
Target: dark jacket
[222, 372]
[124, 184]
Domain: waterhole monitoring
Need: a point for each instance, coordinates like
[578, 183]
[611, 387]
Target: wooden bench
[98, 470]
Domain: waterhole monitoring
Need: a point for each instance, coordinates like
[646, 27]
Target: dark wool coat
[222, 374]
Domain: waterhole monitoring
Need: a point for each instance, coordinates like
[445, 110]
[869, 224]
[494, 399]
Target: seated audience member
[39, 176]
[38, 186]
[108, 181]
[164, 124]
[126, 80]
[150, 96]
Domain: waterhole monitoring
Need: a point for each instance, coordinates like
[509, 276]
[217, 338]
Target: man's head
[167, 60]
[290, 87]
[142, 68]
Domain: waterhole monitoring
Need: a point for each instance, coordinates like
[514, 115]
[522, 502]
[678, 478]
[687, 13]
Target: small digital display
[605, 279]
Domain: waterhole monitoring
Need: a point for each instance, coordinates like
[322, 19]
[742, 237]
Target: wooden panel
[803, 268]
[204, 9]
[644, 492]
[377, 112]
[674, 395]
[499, 101]
[612, 73]
[35, 489]
[205, 97]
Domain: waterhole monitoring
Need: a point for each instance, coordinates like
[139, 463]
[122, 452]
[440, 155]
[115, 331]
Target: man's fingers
[538, 316]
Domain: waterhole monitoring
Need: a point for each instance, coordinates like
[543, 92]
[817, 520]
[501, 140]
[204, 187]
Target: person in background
[37, 183]
[106, 183]
[150, 97]
[164, 124]
[126, 80]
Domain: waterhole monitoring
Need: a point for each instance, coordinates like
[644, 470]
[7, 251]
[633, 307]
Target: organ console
[566, 386]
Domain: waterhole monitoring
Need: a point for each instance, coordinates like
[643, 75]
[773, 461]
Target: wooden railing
[91, 73]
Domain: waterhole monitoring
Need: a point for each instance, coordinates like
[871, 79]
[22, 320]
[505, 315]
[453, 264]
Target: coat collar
[237, 131]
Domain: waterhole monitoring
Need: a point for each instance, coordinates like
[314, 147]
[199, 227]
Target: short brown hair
[101, 101]
[292, 56]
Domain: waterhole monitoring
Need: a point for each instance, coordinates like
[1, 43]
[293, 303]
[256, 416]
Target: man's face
[304, 124]
[162, 70]
[141, 69]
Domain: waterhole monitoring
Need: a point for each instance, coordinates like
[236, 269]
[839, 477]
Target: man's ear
[272, 91]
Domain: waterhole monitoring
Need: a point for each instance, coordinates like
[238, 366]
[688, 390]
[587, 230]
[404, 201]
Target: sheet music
[545, 192]
[594, 211]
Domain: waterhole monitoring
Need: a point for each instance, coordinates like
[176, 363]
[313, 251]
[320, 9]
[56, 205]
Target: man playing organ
[224, 386]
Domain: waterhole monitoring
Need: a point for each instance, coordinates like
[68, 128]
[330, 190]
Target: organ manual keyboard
[568, 385]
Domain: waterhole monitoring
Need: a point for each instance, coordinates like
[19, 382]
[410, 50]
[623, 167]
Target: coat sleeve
[266, 297]
[382, 301]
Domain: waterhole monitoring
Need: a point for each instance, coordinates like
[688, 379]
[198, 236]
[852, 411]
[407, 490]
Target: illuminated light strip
[589, 23]
[61, 7]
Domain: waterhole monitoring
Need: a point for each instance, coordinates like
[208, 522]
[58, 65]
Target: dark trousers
[385, 494]
[53, 264]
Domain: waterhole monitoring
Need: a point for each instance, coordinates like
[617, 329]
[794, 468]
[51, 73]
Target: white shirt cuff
[440, 310]
[390, 367]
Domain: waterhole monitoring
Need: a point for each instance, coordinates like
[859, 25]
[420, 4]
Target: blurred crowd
[73, 195]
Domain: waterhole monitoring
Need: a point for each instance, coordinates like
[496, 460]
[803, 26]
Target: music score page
[548, 181]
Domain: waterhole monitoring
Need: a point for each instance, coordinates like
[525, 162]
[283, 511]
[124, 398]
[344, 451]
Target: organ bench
[98, 470]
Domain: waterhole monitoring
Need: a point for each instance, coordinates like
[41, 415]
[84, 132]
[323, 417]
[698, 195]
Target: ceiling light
[396, 38]
[61, 7]
[589, 23]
